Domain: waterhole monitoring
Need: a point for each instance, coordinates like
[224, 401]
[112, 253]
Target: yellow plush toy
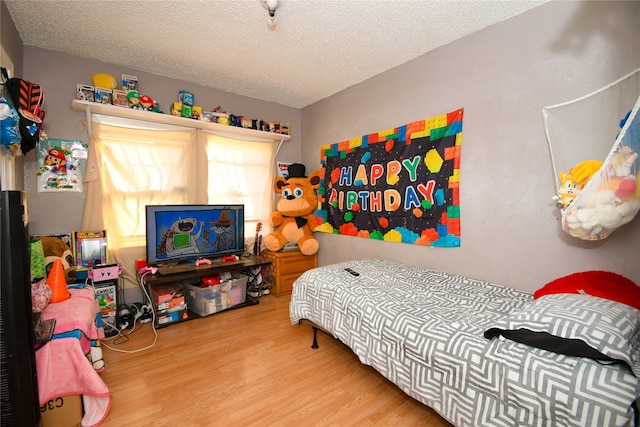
[294, 218]
[574, 181]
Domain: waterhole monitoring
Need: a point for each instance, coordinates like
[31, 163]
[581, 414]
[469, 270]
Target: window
[132, 164]
[241, 172]
[7, 171]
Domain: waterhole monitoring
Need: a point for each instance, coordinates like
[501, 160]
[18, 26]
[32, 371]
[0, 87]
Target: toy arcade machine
[90, 250]
[105, 282]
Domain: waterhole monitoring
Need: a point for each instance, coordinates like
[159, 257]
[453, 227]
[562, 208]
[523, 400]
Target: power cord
[122, 334]
[153, 325]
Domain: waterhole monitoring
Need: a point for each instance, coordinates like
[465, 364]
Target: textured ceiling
[317, 48]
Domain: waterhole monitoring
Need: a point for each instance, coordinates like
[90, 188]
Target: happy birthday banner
[397, 185]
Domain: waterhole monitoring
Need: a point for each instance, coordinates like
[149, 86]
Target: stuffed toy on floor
[294, 219]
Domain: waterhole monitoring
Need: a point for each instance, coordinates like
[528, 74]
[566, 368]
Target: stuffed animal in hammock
[574, 181]
[294, 218]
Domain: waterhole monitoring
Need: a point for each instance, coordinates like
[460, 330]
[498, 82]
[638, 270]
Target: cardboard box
[62, 412]
[186, 111]
[129, 82]
[120, 98]
[222, 119]
[166, 297]
[196, 112]
[103, 95]
[172, 315]
[85, 92]
[106, 296]
[186, 97]
[176, 109]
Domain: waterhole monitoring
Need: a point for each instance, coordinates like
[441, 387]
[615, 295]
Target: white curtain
[241, 172]
[133, 164]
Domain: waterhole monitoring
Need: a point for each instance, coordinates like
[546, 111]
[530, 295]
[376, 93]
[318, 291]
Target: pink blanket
[62, 366]
[63, 370]
[76, 313]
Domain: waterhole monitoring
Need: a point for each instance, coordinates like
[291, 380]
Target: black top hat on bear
[296, 170]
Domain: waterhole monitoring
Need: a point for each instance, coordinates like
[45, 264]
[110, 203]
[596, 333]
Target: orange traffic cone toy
[58, 283]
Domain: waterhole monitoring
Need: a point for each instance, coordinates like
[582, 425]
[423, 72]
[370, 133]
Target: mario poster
[60, 165]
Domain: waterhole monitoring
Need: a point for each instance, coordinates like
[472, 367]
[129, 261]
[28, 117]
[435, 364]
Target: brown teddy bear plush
[55, 248]
[294, 216]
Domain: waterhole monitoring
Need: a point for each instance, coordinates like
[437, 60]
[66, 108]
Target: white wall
[502, 76]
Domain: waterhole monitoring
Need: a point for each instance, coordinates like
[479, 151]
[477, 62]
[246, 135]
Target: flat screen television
[184, 233]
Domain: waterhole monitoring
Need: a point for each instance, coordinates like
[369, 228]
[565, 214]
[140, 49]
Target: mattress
[424, 331]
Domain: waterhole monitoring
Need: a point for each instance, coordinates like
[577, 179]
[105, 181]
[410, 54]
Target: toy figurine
[146, 103]
[133, 98]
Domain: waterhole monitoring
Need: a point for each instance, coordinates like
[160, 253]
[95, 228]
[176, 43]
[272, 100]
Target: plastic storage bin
[212, 299]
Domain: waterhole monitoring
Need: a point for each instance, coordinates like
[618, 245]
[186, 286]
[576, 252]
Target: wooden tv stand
[191, 273]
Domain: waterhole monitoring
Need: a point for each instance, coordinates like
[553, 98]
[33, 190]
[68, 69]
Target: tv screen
[178, 233]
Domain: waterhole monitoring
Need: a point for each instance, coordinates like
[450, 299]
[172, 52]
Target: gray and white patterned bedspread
[423, 330]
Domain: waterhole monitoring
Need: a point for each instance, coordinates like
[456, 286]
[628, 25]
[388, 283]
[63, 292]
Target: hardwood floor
[250, 366]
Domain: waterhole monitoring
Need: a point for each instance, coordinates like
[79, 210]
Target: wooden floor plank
[250, 366]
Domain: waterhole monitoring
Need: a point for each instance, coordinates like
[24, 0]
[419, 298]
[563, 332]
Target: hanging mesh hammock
[594, 143]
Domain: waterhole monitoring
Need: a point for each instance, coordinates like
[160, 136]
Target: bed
[62, 364]
[451, 342]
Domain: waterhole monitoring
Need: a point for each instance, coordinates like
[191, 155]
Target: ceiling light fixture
[271, 6]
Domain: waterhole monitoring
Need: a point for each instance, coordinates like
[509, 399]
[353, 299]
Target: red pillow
[603, 284]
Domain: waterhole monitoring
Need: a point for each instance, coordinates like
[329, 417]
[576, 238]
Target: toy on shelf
[105, 91]
[133, 99]
[105, 80]
[129, 83]
[85, 92]
[119, 98]
[196, 112]
[176, 109]
[185, 97]
[103, 95]
[247, 123]
[186, 111]
[146, 102]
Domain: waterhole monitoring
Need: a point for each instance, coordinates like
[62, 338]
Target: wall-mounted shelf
[129, 113]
